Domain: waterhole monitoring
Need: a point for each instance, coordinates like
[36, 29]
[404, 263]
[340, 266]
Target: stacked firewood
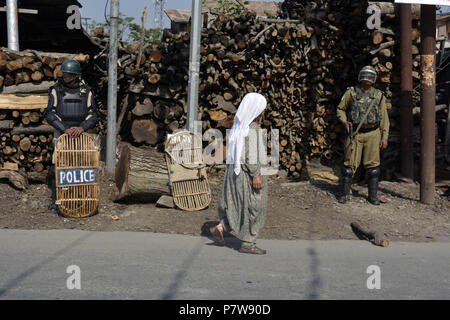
[20, 71]
[379, 48]
[25, 139]
[296, 66]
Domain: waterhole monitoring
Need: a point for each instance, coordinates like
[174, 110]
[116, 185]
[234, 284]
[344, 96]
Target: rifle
[350, 132]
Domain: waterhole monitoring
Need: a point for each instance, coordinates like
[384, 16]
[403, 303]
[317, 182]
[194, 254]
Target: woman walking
[243, 202]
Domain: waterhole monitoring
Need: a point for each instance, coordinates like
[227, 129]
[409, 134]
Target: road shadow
[315, 281]
[179, 277]
[14, 282]
[395, 194]
[334, 189]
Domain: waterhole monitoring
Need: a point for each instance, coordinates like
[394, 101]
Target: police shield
[77, 178]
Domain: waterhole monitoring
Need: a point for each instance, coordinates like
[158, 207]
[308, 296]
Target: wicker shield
[77, 179]
[187, 172]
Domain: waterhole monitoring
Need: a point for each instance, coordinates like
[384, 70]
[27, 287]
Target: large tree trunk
[141, 175]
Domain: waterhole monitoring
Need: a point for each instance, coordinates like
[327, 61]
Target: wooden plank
[14, 102]
[26, 11]
[9, 166]
[28, 88]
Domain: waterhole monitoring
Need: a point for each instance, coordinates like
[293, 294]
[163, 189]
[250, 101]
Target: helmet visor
[368, 76]
[69, 77]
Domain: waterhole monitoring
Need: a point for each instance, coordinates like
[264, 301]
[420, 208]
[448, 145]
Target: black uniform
[69, 106]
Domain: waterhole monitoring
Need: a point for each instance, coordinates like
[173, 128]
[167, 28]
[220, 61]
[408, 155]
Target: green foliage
[270, 15]
[228, 7]
[149, 35]
[128, 30]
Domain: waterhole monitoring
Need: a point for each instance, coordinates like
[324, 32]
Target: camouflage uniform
[366, 142]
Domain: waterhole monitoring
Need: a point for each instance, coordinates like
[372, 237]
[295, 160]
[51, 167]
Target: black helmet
[71, 66]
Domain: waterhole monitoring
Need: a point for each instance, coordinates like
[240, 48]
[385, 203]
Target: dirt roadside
[297, 210]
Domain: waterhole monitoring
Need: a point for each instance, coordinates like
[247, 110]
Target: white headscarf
[251, 107]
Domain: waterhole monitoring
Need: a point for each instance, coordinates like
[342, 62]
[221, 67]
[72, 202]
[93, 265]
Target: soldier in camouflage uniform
[364, 109]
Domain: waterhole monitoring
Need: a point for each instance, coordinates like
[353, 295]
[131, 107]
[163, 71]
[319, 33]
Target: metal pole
[13, 25]
[406, 99]
[428, 102]
[112, 90]
[194, 64]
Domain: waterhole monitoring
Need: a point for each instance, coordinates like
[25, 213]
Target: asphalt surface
[125, 265]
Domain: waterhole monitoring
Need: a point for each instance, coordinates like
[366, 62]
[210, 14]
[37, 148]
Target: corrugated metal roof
[260, 7]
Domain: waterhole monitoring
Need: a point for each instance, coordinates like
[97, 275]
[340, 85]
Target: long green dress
[242, 209]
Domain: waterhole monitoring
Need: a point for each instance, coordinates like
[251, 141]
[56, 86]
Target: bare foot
[217, 233]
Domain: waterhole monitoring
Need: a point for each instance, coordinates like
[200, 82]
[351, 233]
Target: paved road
[125, 265]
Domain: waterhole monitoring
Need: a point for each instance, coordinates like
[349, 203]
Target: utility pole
[428, 102]
[194, 64]
[86, 24]
[13, 25]
[111, 135]
[406, 99]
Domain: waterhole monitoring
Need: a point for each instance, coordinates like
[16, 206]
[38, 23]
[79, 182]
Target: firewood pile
[296, 66]
[302, 63]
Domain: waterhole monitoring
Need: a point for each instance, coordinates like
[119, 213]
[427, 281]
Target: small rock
[165, 202]
[126, 214]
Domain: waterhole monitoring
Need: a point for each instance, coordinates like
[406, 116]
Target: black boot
[372, 174]
[347, 175]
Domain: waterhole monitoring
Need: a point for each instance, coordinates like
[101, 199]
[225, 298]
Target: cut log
[25, 144]
[217, 115]
[33, 129]
[375, 237]
[29, 87]
[142, 109]
[9, 166]
[37, 176]
[141, 175]
[224, 105]
[34, 117]
[8, 101]
[16, 179]
[37, 76]
[377, 37]
[145, 130]
[6, 124]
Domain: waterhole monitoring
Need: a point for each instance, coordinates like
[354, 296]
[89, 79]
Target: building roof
[260, 7]
[177, 15]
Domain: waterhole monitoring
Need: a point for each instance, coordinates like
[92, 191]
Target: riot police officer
[71, 109]
[363, 112]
